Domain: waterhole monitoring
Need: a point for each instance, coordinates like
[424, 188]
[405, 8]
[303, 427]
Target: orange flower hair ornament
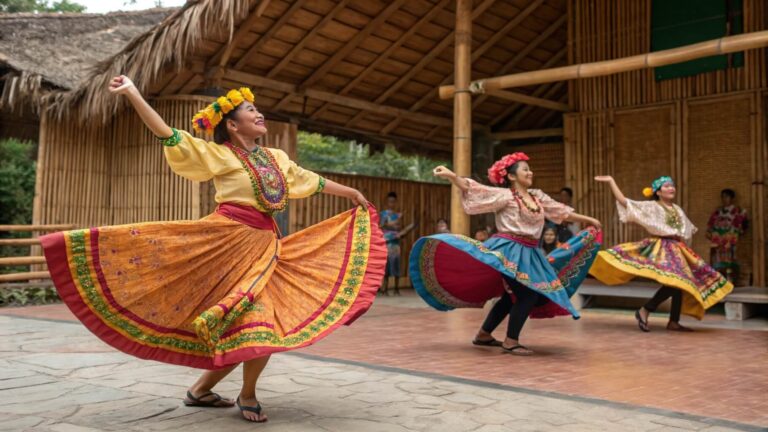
[210, 116]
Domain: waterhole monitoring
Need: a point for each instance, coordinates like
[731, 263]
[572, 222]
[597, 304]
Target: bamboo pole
[26, 260]
[462, 111]
[15, 277]
[20, 242]
[27, 228]
[724, 45]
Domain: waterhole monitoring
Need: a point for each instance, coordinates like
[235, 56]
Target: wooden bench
[742, 303]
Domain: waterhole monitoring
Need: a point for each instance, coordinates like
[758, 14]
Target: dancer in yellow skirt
[664, 257]
[226, 289]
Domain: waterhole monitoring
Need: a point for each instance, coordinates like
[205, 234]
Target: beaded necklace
[522, 202]
[267, 180]
[672, 217]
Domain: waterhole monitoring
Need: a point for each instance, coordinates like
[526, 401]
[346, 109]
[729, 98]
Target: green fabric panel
[684, 22]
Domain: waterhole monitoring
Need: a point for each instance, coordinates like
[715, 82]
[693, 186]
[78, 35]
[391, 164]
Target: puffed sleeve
[689, 229]
[302, 183]
[555, 211]
[479, 198]
[639, 212]
[193, 158]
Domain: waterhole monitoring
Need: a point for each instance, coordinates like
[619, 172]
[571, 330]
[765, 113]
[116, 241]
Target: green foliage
[330, 154]
[21, 296]
[17, 191]
[15, 6]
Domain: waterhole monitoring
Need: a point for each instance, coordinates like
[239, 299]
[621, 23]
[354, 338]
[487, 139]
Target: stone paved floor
[589, 375]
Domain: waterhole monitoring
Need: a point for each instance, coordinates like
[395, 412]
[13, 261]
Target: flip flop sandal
[643, 325]
[679, 328]
[216, 402]
[256, 409]
[491, 343]
[516, 350]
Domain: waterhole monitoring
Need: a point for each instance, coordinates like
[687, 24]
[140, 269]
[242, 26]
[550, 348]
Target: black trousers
[518, 312]
[662, 294]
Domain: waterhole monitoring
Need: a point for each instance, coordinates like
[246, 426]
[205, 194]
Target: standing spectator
[725, 226]
[391, 222]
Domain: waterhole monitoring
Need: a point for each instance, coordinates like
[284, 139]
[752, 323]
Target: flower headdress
[656, 185]
[207, 119]
[498, 171]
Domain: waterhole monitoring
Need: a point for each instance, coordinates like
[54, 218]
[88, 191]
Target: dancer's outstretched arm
[122, 85]
[614, 188]
[582, 219]
[333, 188]
[451, 176]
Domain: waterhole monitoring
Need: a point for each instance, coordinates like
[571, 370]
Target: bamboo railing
[26, 260]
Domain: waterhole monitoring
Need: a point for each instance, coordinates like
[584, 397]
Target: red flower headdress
[498, 171]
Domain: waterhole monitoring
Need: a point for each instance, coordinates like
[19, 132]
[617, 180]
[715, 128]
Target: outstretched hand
[358, 199]
[604, 178]
[120, 84]
[443, 172]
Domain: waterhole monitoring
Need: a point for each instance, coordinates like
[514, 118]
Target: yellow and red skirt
[669, 262]
[220, 290]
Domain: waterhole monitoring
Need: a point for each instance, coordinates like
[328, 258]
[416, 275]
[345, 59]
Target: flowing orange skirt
[217, 291]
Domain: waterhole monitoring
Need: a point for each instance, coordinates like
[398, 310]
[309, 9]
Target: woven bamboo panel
[610, 29]
[719, 156]
[547, 163]
[422, 202]
[643, 143]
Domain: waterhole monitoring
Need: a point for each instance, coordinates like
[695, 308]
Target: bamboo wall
[547, 163]
[707, 131]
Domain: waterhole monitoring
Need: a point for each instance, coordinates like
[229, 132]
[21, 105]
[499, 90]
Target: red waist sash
[525, 241]
[246, 215]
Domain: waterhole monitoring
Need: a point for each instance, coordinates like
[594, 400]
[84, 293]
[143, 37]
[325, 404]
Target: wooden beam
[724, 45]
[546, 34]
[222, 57]
[462, 112]
[25, 260]
[364, 105]
[530, 100]
[476, 54]
[296, 49]
[372, 26]
[540, 91]
[522, 134]
[256, 47]
[385, 55]
[427, 59]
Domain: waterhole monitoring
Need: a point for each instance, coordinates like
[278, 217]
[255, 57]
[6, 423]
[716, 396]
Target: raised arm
[614, 188]
[445, 173]
[122, 85]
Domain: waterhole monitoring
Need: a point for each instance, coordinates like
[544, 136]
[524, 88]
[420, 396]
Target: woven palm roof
[364, 68]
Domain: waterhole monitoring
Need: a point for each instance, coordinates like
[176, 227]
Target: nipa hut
[40, 53]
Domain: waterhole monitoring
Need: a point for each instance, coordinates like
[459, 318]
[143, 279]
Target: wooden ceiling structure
[365, 69]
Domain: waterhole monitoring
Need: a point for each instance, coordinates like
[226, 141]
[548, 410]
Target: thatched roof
[365, 67]
[58, 50]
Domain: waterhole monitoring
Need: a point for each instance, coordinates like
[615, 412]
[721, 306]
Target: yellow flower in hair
[647, 192]
[235, 97]
[247, 94]
[225, 104]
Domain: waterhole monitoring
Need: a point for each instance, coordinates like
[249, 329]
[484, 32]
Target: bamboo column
[462, 112]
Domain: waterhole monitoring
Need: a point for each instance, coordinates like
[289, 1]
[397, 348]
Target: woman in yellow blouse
[226, 289]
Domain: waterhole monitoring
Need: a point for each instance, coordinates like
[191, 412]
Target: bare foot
[251, 410]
